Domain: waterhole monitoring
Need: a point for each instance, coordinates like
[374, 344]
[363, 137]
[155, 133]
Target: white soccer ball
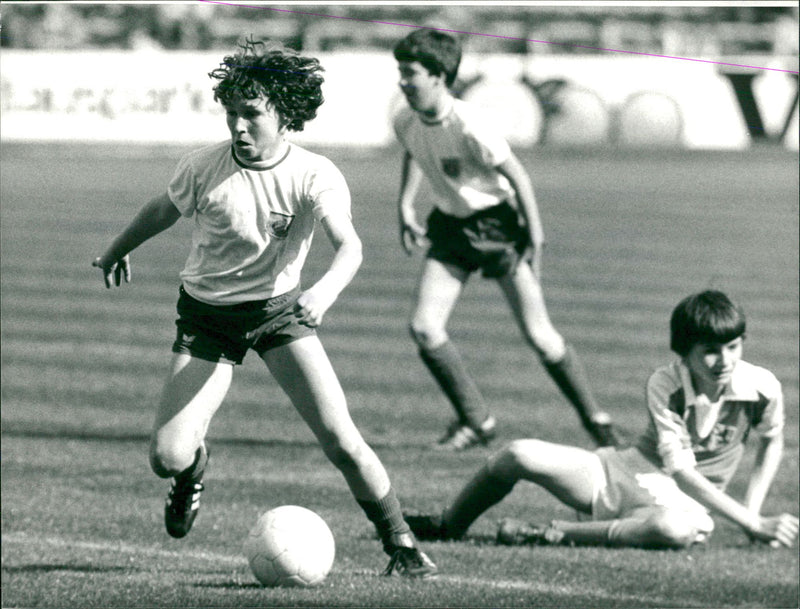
[290, 546]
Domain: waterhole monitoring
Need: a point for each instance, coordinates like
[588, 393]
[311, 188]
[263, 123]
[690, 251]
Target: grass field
[629, 235]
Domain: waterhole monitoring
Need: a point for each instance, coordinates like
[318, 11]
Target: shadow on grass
[49, 568]
[230, 585]
[32, 430]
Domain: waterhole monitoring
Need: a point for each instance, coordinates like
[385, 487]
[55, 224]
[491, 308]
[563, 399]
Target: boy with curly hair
[254, 202]
[485, 218]
[660, 492]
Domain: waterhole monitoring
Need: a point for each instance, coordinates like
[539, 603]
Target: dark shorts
[491, 240]
[219, 333]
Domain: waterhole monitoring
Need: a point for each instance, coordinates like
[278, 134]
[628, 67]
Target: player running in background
[485, 218]
[658, 493]
[254, 202]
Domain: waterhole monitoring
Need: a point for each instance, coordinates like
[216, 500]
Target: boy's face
[255, 126]
[712, 364]
[422, 89]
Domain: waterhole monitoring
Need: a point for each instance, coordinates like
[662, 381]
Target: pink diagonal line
[576, 46]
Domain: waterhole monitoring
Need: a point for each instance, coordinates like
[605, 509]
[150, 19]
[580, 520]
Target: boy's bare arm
[156, 216]
[411, 233]
[315, 302]
[516, 174]
[767, 460]
[775, 530]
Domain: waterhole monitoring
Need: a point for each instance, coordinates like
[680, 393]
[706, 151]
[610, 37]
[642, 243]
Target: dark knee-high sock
[570, 377]
[447, 367]
[387, 516]
[482, 492]
[198, 466]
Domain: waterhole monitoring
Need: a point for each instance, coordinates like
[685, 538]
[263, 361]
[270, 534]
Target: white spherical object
[650, 118]
[290, 546]
[578, 117]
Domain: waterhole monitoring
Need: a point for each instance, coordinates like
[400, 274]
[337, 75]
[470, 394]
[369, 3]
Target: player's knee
[425, 335]
[169, 461]
[514, 457]
[344, 456]
[668, 529]
[548, 344]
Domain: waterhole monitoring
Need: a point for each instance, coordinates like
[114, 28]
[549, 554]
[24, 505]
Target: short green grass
[629, 234]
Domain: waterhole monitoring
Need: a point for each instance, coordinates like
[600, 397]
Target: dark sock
[447, 367]
[387, 516]
[196, 469]
[481, 493]
[570, 377]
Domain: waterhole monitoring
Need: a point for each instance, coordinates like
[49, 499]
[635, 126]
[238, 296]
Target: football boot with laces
[512, 532]
[183, 500]
[411, 562]
[460, 436]
[183, 503]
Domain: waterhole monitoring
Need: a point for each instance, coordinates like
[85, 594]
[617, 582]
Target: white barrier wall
[625, 100]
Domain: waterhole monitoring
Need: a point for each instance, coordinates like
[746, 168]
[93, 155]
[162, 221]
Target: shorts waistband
[250, 305]
[486, 211]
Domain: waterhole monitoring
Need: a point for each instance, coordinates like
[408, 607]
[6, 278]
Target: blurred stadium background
[573, 76]
[688, 31]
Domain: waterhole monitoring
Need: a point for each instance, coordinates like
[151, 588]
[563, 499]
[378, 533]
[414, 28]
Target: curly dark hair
[292, 83]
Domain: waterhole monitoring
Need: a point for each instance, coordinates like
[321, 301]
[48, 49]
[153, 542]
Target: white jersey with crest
[253, 224]
[459, 154]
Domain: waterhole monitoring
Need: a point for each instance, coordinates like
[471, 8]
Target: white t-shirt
[253, 225]
[458, 154]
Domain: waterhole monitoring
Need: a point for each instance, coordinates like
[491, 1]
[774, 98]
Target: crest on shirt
[451, 167]
[278, 224]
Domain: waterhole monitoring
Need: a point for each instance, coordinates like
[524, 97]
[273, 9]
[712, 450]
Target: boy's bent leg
[656, 528]
[651, 528]
[304, 372]
[439, 288]
[633, 503]
[191, 396]
[524, 294]
[566, 472]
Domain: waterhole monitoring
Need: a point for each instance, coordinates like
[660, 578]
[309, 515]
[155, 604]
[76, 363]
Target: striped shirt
[686, 431]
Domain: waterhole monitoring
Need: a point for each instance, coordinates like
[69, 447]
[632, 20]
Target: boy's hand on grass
[777, 531]
[114, 271]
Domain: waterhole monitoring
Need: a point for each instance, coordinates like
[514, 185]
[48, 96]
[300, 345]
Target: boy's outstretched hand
[114, 271]
[777, 531]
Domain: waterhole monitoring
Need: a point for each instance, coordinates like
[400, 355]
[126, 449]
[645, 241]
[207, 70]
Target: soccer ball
[290, 546]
